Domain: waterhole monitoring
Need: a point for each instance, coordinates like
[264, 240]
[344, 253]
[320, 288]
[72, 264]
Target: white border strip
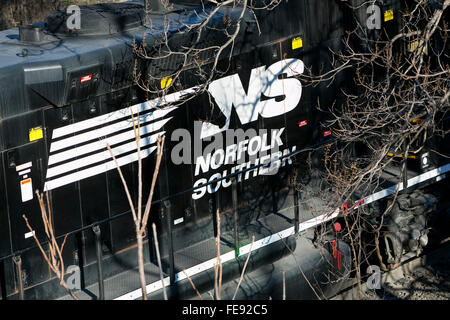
[155, 286]
[411, 182]
[24, 172]
[24, 166]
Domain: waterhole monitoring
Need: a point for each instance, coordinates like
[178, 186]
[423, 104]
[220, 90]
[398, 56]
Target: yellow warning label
[166, 82]
[413, 45]
[297, 43]
[401, 156]
[388, 15]
[36, 134]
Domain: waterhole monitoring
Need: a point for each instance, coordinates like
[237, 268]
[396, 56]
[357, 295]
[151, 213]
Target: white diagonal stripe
[100, 144]
[92, 171]
[107, 130]
[126, 112]
[101, 156]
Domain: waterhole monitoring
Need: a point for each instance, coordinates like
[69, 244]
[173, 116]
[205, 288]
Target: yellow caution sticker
[388, 15]
[413, 45]
[297, 43]
[401, 156]
[166, 82]
[36, 133]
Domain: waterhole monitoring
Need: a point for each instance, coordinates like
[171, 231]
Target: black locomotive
[64, 94]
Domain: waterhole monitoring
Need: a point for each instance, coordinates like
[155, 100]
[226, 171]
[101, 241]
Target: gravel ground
[429, 282]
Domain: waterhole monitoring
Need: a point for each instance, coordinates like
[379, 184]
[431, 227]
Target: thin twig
[300, 268]
[55, 260]
[193, 285]
[155, 238]
[245, 266]
[218, 266]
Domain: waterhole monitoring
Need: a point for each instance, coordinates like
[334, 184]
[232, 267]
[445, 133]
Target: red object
[327, 133]
[334, 245]
[344, 209]
[86, 78]
[337, 227]
[303, 123]
[360, 203]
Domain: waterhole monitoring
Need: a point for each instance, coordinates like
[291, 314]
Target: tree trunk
[141, 264]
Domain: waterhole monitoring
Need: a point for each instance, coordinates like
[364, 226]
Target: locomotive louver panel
[79, 150]
[123, 74]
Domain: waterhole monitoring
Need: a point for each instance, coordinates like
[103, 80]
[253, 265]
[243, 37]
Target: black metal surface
[297, 209]
[168, 217]
[235, 218]
[118, 284]
[200, 252]
[98, 247]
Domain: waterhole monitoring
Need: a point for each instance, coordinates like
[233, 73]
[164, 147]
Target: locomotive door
[23, 175]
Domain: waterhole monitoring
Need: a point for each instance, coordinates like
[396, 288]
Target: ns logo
[277, 83]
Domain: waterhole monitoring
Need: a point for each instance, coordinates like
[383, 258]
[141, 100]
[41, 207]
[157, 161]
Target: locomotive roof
[56, 46]
[28, 70]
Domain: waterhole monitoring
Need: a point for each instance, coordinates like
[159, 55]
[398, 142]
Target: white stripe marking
[178, 221]
[24, 166]
[101, 156]
[100, 144]
[92, 171]
[413, 181]
[29, 234]
[21, 173]
[107, 130]
[112, 116]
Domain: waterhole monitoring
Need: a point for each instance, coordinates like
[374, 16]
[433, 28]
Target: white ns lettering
[229, 92]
